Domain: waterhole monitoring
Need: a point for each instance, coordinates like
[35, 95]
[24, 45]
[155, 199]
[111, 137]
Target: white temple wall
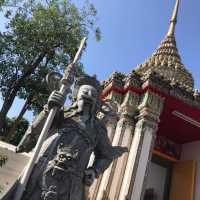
[156, 179]
[191, 151]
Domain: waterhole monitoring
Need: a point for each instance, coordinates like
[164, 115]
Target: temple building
[159, 121]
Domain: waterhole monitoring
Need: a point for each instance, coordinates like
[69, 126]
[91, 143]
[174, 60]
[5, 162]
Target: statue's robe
[78, 141]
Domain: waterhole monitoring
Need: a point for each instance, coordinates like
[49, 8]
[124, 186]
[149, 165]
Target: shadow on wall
[150, 194]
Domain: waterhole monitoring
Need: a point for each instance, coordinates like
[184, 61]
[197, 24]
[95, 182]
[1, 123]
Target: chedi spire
[166, 60]
[173, 20]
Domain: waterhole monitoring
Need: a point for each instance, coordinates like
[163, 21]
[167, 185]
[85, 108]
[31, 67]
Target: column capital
[116, 79]
[109, 112]
[114, 96]
[129, 105]
[133, 79]
[151, 106]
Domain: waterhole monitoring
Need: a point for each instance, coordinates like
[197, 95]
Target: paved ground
[13, 167]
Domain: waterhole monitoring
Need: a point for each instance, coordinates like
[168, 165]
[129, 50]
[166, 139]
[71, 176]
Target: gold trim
[165, 156]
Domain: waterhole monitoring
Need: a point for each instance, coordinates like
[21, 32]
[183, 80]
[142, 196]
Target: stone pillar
[112, 178]
[105, 178]
[111, 126]
[112, 86]
[110, 123]
[141, 147]
[128, 109]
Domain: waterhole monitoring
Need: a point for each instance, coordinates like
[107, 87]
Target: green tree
[18, 131]
[39, 37]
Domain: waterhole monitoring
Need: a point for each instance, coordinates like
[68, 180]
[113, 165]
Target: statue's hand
[56, 99]
[20, 149]
[90, 176]
[27, 143]
[118, 151]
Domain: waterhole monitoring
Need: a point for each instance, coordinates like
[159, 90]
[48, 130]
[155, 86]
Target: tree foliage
[19, 131]
[40, 36]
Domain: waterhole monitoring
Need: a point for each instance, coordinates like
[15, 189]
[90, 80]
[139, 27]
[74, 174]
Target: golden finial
[173, 19]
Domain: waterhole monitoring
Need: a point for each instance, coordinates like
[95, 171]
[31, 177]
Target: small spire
[173, 19]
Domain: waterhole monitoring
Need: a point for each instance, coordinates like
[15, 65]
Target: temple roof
[166, 60]
[165, 75]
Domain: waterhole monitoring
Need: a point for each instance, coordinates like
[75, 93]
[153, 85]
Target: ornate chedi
[166, 60]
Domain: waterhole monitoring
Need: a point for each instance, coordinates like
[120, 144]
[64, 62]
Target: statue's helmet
[88, 88]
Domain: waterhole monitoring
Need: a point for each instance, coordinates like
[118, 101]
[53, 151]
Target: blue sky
[132, 29]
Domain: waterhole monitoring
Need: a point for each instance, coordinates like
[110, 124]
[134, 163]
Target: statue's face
[88, 94]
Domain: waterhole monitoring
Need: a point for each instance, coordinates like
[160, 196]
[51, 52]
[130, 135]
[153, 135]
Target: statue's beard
[85, 106]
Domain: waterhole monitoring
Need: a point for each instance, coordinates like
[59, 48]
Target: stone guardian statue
[61, 171]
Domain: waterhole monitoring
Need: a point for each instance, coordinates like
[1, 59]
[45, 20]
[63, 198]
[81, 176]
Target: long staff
[67, 81]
